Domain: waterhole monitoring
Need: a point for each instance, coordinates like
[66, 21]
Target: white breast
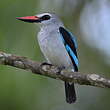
[53, 48]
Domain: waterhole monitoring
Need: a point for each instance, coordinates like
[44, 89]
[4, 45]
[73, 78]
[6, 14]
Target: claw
[45, 63]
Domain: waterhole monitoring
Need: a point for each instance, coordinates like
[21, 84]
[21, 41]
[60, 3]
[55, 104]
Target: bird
[58, 45]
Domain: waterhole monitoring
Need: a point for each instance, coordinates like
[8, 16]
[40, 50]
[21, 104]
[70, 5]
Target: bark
[51, 71]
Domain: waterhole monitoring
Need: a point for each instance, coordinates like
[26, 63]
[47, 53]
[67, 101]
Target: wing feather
[70, 45]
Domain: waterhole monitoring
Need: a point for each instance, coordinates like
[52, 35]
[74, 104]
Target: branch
[53, 72]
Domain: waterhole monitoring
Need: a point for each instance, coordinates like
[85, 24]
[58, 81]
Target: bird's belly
[55, 52]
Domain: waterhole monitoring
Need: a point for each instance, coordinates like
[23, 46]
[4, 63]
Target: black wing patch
[70, 46]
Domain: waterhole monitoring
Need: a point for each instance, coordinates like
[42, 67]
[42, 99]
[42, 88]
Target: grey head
[43, 19]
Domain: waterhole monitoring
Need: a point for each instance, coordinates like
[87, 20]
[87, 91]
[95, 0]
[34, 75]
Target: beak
[30, 19]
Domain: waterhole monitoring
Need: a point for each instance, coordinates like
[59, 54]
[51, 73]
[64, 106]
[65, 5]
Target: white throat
[51, 27]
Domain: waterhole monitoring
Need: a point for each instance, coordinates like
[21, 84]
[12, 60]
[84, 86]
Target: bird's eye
[45, 17]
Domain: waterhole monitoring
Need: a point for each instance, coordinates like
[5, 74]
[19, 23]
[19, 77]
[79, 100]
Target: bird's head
[43, 19]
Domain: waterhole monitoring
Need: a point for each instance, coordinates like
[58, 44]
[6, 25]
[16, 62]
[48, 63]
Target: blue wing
[70, 45]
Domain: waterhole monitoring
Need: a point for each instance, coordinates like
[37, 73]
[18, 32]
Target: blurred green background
[21, 90]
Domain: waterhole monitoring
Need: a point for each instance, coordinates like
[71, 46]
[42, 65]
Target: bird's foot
[61, 68]
[45, 63]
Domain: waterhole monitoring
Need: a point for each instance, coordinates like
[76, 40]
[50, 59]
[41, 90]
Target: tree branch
[53, 72]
